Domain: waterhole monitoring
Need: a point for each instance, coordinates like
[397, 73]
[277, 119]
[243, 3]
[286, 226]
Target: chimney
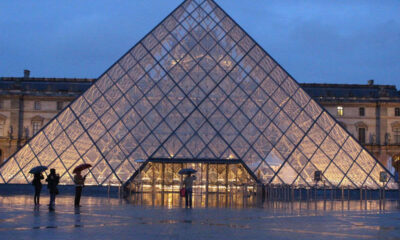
[371, 82]
[26, 73]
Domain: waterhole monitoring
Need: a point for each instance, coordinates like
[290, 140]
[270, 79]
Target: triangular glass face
[198, 87]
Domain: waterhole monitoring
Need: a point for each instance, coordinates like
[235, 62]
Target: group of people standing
[52, 182]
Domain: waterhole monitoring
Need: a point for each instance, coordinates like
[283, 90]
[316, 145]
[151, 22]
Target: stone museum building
[198, 91]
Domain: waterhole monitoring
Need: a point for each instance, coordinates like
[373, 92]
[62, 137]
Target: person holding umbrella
[52, 181]
[36, 182]
[79, 182]
[188, 184]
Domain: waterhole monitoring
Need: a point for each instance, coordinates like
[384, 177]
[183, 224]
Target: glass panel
[357, 175]
[79, 106]
[284, 147]
[252, 160]
[343, 161]
[272, 133]
[9, 169]
[334, 175]
[294, 133]
[313, 109]
[301, 97]
[290, 86]
[39, 142]
[127, 62]
[260, 120]
[115, 72]
[307, 147]
[339, 134]
[287, 174]
[308, 173]
[320, 160]
[329, 147]
[292, 109]
[104, 83]
[316, 134]
[274, 160]
[83, 143]
[366, 161]
[352, 147]
[297, 160]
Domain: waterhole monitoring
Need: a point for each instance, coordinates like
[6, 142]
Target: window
[2, 126]
[361, 135]
[1, 104]
[396, 132]
[362, 111]
[397, 112]
[340, 111]
[36, 125]
[37, 105]
[59, 106]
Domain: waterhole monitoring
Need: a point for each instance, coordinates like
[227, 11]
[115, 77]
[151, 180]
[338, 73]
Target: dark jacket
[52, 182]
[36, 180]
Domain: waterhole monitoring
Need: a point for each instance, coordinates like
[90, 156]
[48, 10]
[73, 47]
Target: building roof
[44, 86]
[352, 92]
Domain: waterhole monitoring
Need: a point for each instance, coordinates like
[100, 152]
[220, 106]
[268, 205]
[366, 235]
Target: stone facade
[371, 113]
[27, 104]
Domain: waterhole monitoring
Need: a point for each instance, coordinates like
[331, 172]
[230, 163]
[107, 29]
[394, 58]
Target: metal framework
[198, 87]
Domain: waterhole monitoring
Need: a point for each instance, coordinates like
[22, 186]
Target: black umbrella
[38, 169]
[187, 171]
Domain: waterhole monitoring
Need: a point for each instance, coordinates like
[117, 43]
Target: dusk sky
[315, 41]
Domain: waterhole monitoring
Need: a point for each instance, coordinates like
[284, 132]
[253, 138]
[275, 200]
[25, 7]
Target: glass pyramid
[197, 87]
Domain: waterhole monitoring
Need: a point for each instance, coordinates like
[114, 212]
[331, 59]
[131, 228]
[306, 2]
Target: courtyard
[110, 217]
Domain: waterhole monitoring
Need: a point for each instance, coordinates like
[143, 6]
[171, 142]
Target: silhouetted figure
[188, 184]
[52, 181]
[37, 177]
[79, 183]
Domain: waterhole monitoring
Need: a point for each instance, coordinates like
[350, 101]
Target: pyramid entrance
[213, 176]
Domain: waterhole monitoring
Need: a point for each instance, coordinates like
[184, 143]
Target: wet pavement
[114, 218]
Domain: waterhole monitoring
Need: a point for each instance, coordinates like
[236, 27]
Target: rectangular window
[37, 105]
[59, 106]
[397, 135]
[36, 125]
[2, 124]
[361, 135]
[1, 104]
[397, 112]
[340, 111]
[362, 111]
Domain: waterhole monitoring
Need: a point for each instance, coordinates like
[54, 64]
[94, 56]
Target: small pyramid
[198, 87]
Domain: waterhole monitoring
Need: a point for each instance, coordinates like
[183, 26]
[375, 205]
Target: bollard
[108, 189]
[342, 198]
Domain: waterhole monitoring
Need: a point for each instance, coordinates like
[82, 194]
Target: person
[188, 184]
[52, 181]
[37, 177]
[79, 183]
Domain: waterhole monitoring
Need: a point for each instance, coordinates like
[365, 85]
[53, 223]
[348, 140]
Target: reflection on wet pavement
[141, 217]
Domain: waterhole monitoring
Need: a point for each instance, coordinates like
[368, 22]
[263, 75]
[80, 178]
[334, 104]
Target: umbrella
[187, 171]
[81, 167]
[38, 169]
